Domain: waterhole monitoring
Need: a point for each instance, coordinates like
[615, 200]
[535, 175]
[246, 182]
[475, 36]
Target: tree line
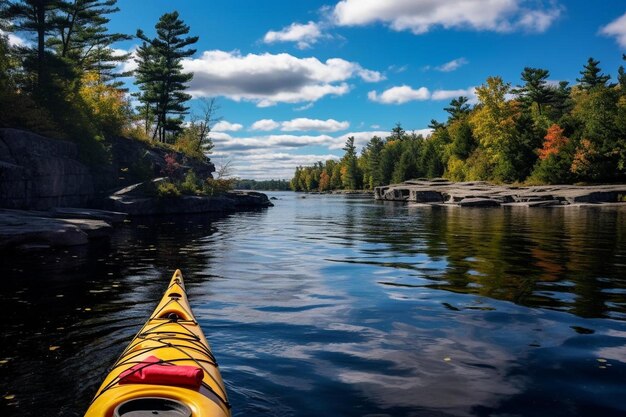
[65, 80]
[261, 185]
[536, 132]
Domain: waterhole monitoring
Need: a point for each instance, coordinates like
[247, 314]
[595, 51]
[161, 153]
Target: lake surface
[341, 306]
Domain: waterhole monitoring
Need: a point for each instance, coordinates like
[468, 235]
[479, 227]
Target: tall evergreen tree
[621, 77]
[458, 108]
[591, 76]
[561, 100]
[435, 125]
[397, 133]
[83, 40]
[350, 170]
[160, 74]
[373, 149]
[535, 88]
[40, 18]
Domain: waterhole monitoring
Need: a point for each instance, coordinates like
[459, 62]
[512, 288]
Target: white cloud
[404, 93]
[269, 165]
[265, 125]
[229, 143]
[450, 94]
[302, 124]
[271, 156]
[304, 107]
[224, 126]
[130, 64]
[399, 95]
[304, 35]
[360, 138]
[268, 79]
[422, 16]
[424, 132]
[397, 68]
[617, 29]
[452, 65]
[13, 39]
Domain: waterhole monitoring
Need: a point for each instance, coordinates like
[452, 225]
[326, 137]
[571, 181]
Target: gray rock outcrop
[20, 229]
[482, 194]
[133, 201]
[38, 173]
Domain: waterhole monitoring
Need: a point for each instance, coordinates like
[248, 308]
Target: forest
[68, 82]
[262, 185]
[536, 132]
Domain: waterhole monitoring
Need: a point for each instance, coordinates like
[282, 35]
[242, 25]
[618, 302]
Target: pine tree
[39, 17]
[373, 150]
[160, 75]
[535, 88]
[397, 133]
[458, 108]
[591, 76]
[350, 177]
[621, 77]
[83, 40]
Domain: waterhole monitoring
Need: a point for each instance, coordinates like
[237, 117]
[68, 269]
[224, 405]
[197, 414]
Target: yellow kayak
[168, 369]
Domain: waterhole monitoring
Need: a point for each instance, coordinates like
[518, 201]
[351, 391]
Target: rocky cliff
[38, 172]
[133, 161]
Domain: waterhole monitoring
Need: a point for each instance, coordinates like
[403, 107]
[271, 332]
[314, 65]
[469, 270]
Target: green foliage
[190, 142]
[543, 135]
[350, 173]
[168, 189]
[535, 90]
[217, 186]
[263, 185]
[458, 108]
[160, 76]
[63, 84]
[191, 185]
[591, 76]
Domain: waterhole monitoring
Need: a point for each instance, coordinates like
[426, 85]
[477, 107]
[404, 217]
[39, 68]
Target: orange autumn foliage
[583, 158]
[554, 141]
[324, 181]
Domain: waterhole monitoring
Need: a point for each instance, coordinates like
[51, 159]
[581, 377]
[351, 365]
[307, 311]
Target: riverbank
[441, 192]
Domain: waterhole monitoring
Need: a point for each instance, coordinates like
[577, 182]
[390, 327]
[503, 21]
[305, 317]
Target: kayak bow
[167, 369]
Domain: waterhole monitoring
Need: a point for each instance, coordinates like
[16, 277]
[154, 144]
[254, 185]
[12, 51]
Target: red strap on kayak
[153, 370]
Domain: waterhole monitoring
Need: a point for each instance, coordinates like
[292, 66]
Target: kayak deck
[173, 337]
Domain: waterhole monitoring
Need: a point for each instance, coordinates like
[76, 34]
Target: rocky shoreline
[440, 192]
[49, 198]
[29, 229]
[65, 226]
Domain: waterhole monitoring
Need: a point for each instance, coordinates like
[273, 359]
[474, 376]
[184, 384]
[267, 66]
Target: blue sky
[295, 78]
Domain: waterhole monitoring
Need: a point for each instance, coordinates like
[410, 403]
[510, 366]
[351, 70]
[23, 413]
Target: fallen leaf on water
[447, 359]
[9, 397]
[601, 360]
[87, 309]
[53, 348]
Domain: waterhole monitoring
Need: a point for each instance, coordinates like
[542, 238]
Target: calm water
[341, 306]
